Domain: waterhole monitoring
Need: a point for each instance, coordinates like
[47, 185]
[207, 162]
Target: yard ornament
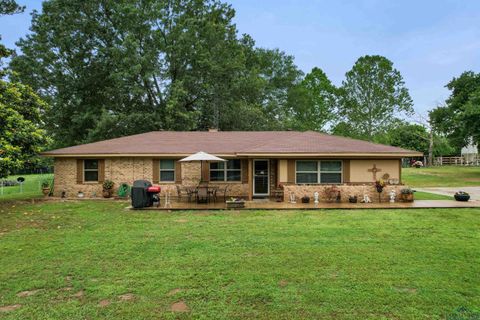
[393, 194]
[292, 198]
[315, 197]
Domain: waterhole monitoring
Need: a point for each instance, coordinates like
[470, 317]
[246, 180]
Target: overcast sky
[428, 41]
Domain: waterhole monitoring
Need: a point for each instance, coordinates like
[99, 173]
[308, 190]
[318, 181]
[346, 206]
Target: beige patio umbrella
[202, 157]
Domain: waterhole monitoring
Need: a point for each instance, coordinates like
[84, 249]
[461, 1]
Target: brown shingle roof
[230, 143]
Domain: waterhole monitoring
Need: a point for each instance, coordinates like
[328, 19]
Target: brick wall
[127, 170]
[345, 191]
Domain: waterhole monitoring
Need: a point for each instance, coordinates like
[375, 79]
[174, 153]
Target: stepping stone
[179, 306]
[28, 293]
[12, 307]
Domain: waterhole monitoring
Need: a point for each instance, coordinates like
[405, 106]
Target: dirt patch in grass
[28, 293]
[406, 290]
[79, 294]
[181, 220]
[12, 307]
[126, 297]
[173, 292]
[283, 283]
[179, 306]
[104, 303]
[67, 289]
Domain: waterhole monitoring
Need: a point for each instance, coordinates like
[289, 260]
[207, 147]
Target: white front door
[261, 177]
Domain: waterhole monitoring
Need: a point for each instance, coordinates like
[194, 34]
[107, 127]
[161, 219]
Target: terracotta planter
[45, 191]
[407, 197]
[106, 193]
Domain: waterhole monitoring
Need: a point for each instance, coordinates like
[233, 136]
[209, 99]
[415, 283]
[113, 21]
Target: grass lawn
[94, 260]
[420, 195]
[31, 187]
[446, 176]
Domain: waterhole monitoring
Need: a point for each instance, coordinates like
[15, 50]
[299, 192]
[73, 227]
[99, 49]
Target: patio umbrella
[202, 156]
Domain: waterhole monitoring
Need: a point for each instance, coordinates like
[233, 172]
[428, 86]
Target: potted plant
[406, 194]
[352, 199]
[80, 194]
[305, 199]
[45, 187]
[462, 196]
[107, 188]
[379, 185]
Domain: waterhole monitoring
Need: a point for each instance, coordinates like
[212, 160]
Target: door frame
[268, 179]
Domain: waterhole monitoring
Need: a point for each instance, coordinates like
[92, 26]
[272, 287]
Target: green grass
[445, 176]
[31, 187]
[342, 264]
[420, 195]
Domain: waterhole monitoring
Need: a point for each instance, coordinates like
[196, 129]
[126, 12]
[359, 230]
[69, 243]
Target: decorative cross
[374, 170]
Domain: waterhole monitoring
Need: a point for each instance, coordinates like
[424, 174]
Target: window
[167, 170]
[90, 170]
[313, 171]
[226, 171]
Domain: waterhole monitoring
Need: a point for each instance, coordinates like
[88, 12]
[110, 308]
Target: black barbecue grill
[144, 194]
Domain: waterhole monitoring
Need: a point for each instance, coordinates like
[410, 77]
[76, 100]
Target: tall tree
[21, 133]
[372, 96]
[313, 102]
[459, 117]
[117, 67]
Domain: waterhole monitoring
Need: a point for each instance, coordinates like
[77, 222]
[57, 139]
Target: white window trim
[225, 170]
[167, 170]
[90, 170]
[319, 171]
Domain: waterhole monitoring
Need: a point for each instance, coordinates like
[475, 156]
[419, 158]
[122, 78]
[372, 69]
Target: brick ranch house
[258, 163]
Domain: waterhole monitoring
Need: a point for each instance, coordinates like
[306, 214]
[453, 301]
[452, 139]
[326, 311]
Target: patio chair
[202, 195]
[225, 192]
[180, 193]
[212, 193]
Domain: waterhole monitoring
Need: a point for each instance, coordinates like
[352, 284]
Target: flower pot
[46, 191]
[407, 197]
[353, 199]
[305, 199]
[379, 189]
[106, 193]
[462, 197]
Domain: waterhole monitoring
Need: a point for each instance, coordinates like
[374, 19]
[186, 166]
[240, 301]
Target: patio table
[204, 192]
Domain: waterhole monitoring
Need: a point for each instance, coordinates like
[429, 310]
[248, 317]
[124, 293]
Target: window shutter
[291, 171]
[156, 171]
[101, 171]
[244, 167]
[178, 172]
[79, 171]
[206, 171]
[346, 171]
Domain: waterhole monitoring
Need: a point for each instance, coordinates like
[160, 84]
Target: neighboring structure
[470, 153]
[258, 163]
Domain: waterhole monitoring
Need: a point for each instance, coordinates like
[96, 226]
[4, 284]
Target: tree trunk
[430, 149]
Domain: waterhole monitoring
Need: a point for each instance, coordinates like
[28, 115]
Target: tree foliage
[117, 67]
[459, 118]
[21, 133]
[371, 97]
[313, 102]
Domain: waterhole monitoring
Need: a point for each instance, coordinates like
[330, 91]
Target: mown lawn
[31, 187]
[93, 260]
[446, 176]
[420, 195]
